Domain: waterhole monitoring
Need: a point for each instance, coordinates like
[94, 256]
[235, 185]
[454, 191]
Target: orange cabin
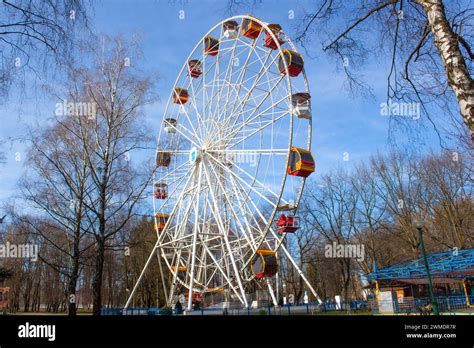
[161, 220]
[180, 95]
[301, 162]
[179, 268]
[211, 46]
[269, 42]
[287, 224]
[294, 60]
[264, 264]
[194, 68]
[251, 28]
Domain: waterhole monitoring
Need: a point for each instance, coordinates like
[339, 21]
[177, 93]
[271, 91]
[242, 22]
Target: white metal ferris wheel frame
[200, 169]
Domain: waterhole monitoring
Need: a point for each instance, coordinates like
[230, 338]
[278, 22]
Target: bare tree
[371, 213]
[330, 209]
[35, 36]
[420, 38]
[448, 182]
[427, 43]
[115, 85]
[35, 33]
[301, 245]
[56, 187]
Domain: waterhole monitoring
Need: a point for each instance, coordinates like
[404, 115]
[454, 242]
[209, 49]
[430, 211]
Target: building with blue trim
[452, 274]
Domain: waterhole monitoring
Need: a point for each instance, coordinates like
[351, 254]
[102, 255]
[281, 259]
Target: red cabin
[269, 42]
[180, 95]
[194, 68]
[287, 224]
[294, 60]
[211, 46]
[161, 190]
[251, 28]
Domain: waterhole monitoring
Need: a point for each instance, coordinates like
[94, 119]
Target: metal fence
[420, 306]
[297, 309]
[446, 304]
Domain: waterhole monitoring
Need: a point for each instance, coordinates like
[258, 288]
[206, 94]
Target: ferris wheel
[232, 157]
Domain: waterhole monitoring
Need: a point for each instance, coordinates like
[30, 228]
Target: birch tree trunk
[446, 41]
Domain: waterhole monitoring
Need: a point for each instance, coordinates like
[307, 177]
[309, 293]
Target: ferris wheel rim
[270, 219]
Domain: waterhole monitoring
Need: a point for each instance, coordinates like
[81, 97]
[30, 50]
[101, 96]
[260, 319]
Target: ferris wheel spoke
[230, 68]
[241, 75]
[178, 224]
[215, 81]
[242, 180]
[200, 121]
[195, 134]
[249, 45]
[239, 84]
[188, 136]
[263, 219]
[255, 179]
[193, 137]
[236, 218]
[259, 104]
[195, 233]
[263, 122]
[257, 78]
[256, 131]
[251, 151]
[175, 170]
[243, 197]
[231, 132]
[171, 194]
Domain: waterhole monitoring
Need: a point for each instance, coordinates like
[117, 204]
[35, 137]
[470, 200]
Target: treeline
[85, 177]
[374, 205]
[43, 285]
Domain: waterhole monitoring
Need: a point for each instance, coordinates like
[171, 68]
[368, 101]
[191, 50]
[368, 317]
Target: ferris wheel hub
[194, 155]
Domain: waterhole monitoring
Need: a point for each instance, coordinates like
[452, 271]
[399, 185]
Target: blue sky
[341, 123]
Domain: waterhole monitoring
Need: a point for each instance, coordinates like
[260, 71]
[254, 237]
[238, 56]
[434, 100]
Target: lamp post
[419, 226]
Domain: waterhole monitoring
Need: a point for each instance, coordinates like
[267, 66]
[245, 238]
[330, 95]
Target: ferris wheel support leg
[222, 272]
[163, 281]
[277, 290]
[195, 232]
[300, 272]
[226, 240]
[135, 287]
[174, 281]
[141, 275]
[270, 290]
[170, 301]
